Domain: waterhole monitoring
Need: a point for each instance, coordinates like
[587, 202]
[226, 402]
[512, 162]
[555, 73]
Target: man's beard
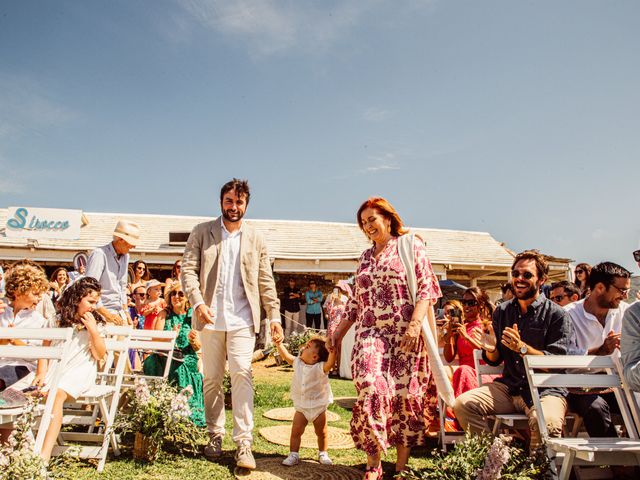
[609, 304]
[529, 293]
[229, 218]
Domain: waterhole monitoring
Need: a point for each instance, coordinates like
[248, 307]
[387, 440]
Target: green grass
[272, 391]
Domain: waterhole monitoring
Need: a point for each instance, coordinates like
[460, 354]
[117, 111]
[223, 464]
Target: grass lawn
[272, 391]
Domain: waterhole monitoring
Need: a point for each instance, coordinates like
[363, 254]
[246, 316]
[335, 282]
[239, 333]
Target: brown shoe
[214, 448]
[244, 457]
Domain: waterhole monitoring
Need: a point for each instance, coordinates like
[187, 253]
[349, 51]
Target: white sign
[41, 223]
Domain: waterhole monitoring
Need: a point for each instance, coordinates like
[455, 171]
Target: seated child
[311, 394]
[76, 309]
[26, 282]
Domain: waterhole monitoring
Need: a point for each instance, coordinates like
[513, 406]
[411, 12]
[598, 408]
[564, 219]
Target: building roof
[286, 239]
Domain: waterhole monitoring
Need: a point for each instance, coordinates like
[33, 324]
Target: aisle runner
[338, 438]
[288, 412]
[272, 469]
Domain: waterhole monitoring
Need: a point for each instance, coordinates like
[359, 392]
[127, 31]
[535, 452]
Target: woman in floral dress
[397, 399]
[184, 367]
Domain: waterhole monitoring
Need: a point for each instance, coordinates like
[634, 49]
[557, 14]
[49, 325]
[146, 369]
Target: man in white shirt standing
[226, 273]
[597, 321]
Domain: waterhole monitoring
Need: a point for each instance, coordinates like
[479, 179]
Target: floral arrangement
[482, 457]
[17, 457]
[159, 413]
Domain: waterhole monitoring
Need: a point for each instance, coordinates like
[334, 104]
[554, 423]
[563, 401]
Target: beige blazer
[201, 268]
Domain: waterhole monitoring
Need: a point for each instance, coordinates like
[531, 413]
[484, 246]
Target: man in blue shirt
[313, 296]
[109, 265]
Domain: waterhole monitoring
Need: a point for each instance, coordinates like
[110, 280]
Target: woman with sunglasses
[184, 367]
[139, 274]
[582, 273]
[175, 275]
[460, 341]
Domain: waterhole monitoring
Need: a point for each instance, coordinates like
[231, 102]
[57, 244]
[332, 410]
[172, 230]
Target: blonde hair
[23, 277]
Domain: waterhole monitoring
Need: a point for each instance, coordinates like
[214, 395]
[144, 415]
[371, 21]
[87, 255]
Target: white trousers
[236, 347]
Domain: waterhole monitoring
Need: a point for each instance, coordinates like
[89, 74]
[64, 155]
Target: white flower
[497, 457]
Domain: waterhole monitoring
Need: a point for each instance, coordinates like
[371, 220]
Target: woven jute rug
[345, 402]
[272, 469]
[288, 412]
[338, 438]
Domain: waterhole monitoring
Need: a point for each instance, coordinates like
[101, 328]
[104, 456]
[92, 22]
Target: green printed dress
[183, 371]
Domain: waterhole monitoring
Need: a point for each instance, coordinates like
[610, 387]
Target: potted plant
[155, 413]
[17, 457]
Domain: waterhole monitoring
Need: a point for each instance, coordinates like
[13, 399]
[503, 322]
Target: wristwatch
[523, 349]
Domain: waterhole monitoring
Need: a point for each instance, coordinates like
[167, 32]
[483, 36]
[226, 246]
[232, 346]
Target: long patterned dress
[185, 372]
[397, 398]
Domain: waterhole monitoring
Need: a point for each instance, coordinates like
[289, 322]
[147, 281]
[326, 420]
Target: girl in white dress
[77, 305]
[311, 395]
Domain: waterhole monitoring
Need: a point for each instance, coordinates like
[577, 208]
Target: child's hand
[89, 321]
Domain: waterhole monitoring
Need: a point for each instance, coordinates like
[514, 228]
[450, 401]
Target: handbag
[443, 385]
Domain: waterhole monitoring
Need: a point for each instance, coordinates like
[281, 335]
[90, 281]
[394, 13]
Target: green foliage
[17, 458]
[296, 340]
[161, 413]
[467, 459]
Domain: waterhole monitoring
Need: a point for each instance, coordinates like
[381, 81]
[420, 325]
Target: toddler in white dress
[311, 394]
[77, 305]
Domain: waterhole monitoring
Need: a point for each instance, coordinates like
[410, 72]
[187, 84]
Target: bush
[481, 457]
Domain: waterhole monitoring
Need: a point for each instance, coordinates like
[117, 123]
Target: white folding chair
[510, 420]
[160, 342]
[549, 371]
[56, 354]
[105, 395]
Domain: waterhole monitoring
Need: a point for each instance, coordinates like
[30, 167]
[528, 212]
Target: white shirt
[26, 318]
[310, 385]
[231, 308]
[589, 331]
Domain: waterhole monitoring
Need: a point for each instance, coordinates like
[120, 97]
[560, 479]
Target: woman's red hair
[384, 208]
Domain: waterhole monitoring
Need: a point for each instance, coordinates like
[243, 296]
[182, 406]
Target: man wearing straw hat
[108, 264]
[227, 276]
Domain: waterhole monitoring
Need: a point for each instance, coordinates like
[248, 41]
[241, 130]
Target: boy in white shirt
[311, 395]
[25, 284]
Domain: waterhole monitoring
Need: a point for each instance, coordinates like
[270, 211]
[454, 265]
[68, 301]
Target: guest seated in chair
[529, 324]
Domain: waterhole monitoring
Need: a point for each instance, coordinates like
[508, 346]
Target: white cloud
[381, 168]
[375, 114]
[24, 107]
[270, 26]
[382, 163]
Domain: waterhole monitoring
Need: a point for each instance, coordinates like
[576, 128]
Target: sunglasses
[470, 303]
[179, 294]
[579, 271]
[623, 291]
[525, 275]
[636, 255]
[141, 294]
[558, 298]
[141, 267]
[448, 311]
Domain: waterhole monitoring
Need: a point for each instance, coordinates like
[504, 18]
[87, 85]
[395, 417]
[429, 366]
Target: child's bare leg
[297, 429]
[320, 426]
[54, 426]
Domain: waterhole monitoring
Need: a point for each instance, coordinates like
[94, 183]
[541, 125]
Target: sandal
[373, 473]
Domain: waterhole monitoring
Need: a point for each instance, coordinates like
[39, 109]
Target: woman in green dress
[184, 367]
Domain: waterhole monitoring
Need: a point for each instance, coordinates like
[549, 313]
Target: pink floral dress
[397, 399]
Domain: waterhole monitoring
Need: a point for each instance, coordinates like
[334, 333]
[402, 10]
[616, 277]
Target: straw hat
[153, 283]
[127, 231]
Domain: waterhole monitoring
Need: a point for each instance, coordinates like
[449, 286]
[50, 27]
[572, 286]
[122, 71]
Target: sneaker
[214, 448]
[291, 460]
[323, 458]
[244, 457]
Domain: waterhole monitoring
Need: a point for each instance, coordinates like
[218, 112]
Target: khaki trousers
[473, 406]
[236, 347]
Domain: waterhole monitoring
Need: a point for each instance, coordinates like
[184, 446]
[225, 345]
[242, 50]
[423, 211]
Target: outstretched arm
[284, 353]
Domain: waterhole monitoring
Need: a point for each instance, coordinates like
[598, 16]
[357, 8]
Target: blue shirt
[110, 269]
[314, 307]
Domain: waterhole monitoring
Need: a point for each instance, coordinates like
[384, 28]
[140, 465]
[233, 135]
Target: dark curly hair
[70, 299]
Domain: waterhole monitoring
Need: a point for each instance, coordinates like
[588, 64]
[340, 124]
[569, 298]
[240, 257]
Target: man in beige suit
[227, 275]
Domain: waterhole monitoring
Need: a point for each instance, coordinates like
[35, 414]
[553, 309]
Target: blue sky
[516, 118]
